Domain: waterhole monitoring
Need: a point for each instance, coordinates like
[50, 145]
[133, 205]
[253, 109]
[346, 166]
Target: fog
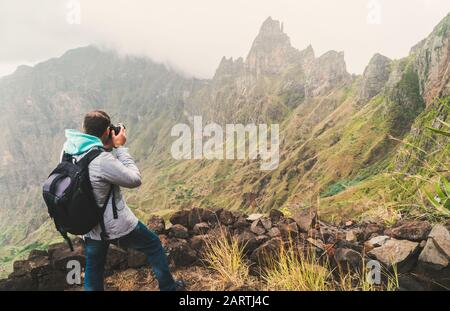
[193, 35]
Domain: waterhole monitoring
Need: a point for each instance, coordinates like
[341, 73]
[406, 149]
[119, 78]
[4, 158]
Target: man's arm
[120, 171]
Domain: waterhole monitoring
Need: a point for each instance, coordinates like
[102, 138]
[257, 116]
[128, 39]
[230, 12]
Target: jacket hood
[78, 142]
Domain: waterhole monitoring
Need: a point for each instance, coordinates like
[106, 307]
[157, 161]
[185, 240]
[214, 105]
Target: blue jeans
[140, 239]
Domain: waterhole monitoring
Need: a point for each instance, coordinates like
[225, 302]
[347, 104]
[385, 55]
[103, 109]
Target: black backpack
[69, 198]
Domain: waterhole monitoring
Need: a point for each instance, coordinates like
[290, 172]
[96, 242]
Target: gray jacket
[117, 168]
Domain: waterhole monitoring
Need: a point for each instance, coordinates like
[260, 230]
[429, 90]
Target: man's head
[96, 123]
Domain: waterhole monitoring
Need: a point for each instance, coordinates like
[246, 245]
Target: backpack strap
[103, 234]
[64, 235]
[114, 207]
[84, 162]
[66, 157]
[88, 157]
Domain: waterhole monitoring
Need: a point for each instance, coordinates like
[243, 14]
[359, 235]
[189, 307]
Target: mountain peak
[271, 26]
[270, 49]
[374, 77]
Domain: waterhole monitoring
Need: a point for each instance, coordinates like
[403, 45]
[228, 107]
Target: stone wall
[419, 251]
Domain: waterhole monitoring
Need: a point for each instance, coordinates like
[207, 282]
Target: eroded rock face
[374, 78]
[271, 50]
[328, 71]
[432, 61]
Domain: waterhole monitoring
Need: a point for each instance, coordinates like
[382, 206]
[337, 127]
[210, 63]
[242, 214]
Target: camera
[116, 129]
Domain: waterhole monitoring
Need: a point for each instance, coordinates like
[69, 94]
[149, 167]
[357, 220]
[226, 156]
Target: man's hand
[119, 139]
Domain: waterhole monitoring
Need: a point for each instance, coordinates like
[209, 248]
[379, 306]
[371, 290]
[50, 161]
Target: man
[117, 169]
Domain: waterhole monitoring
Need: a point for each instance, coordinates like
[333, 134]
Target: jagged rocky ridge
[419, 251]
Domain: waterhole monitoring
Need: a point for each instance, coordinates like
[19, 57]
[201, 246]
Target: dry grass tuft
[293, 270]
[224, 255]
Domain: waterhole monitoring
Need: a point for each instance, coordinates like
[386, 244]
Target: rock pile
[419, 251]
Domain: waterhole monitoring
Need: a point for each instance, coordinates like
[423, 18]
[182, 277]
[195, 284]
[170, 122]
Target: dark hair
[96, 122]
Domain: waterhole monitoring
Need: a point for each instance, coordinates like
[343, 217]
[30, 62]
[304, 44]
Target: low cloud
[193, 35]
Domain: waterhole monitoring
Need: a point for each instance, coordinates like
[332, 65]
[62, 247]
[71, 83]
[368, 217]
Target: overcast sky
[193, 35]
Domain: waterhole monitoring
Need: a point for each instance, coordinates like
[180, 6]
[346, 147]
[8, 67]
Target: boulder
[413, 230]
[266, 252]
[260, 239]
[247, 240]
[239, 214]
[253, 217]
[22, 283]
[241, 223]
[156, 224]
[371, 229]
[441, 238]
[257, 227]
[55, 280]
[396, 252]
[266, 223]
[327, 234]
[408, 282]
[432, 256]
[377, 241]
[226, 217]
[181, 253]
[199, 215]
[178, 231]
[116, 258]
[40, 266]
[198, 242]
[288, 231]
[305, 218]
[275, 215]
[136, 259]
[316, 243]
[274, 232]
[348, 259]
[20, 268]
[201, 228]
[219, 231]
[347, 244]
[180, 218]
[60, 254]
[36, 253]
[351, 236]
